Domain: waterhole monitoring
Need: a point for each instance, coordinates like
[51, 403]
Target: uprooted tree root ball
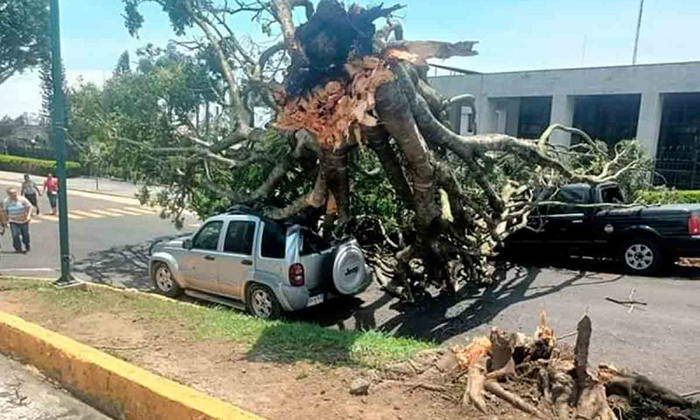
[539, 376]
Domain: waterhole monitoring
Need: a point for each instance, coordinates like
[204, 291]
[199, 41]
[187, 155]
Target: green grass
[271, 340]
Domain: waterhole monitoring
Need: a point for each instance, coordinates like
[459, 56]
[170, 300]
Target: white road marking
[88, 214]
[107, 213]
[129, 213]
[28, 270]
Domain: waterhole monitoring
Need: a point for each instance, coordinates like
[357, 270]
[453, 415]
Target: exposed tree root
[558, 383]
[516, 401]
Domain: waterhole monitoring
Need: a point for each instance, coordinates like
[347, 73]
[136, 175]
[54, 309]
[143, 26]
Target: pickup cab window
[239, 237]
[208, 238]
[273, 241]
[611, 195]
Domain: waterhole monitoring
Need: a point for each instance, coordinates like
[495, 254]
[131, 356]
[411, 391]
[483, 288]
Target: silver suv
[244, 260]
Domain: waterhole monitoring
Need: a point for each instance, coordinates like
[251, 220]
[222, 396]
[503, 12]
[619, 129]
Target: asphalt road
[659, 339]
[26, 395]
[109, 238]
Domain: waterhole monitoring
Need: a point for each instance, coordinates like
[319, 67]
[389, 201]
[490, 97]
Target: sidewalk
[95, 185]
[24, 395]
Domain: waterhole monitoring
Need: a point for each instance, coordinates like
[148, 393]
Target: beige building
[658, 104]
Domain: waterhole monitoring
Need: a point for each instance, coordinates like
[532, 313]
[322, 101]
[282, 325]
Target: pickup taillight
[296, 274]
[694, 225]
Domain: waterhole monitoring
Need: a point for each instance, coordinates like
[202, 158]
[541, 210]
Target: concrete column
[512, 116]
[649, 122]
[485, 115]
[563, 107]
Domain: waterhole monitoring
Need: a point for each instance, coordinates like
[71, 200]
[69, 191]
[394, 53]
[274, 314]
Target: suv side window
[273, 241]
[208, 238]
[239, 237]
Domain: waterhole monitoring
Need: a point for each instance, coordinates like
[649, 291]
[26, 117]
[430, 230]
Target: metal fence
[678, 167]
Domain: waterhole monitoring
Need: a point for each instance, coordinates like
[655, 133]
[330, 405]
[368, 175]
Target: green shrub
[36, 166]
[666, 196]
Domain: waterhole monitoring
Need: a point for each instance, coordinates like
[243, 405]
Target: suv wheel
[262, 302]
[641, 256]
[164, 281]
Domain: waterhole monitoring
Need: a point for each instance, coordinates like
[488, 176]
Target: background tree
[23, 35]
[123, 65]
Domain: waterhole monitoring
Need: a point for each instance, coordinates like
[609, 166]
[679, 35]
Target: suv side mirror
[187, 244]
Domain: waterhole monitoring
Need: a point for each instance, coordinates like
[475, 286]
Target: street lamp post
[58, 127]
[639, 27]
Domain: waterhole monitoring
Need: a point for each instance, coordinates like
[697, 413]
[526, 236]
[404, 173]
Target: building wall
[496, 93]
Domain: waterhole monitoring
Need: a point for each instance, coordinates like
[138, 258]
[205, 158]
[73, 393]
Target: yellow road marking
[87, 214]
[130, 213]
[34, 221]
[138, 210]
[74, 217]
[48, 217]
[107, 213]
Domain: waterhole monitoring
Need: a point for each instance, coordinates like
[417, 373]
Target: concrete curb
[117, 388]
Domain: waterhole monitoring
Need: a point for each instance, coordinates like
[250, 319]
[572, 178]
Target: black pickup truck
[642, 238]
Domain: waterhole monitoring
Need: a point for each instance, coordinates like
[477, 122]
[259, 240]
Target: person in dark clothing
[30, 191]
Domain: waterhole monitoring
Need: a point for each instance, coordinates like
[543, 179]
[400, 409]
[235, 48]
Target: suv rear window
[313, 243]
[273, 241]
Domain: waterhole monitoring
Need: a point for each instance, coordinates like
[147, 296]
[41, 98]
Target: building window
[535, 113]
[678, 155]
[610, 118]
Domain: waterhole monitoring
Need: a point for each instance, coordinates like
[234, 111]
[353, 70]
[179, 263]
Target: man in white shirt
[19, 212]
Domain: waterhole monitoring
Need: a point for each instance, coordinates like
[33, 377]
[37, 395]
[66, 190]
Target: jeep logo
[352, 270]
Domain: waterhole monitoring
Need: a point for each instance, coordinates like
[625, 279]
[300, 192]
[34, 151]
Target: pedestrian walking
[30, 191]
[51, 191]
[19, 212]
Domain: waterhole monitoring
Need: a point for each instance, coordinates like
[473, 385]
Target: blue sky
[512, 35]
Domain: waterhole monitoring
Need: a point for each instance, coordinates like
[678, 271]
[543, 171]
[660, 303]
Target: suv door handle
[209, 258]
[247, 262]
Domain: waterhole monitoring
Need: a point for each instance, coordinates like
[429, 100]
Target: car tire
[641, 256]
[164, 281]
[262, 302]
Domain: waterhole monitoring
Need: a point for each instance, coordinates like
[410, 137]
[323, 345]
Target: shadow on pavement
[440, 318]
[123, 266]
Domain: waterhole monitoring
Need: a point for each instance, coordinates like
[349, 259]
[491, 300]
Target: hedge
[670, 197]
[36, 166]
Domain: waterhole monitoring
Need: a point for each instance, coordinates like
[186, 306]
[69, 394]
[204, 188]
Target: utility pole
[639, 27]
[58, 127]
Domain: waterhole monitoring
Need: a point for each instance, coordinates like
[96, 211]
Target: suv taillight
[694, 225]
[296, 274]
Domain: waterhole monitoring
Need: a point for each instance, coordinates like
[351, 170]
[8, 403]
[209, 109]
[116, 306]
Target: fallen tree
[354, 95]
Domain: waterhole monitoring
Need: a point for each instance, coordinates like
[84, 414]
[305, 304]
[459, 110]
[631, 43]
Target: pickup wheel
[641, 256]
[262, 302]
[164, 281]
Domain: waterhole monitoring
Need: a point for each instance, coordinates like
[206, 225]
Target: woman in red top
[51, 190]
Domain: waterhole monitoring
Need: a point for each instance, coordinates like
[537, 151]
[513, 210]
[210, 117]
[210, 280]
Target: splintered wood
[335, 112]
[504, 365]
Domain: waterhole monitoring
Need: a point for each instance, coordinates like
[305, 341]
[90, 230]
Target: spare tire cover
[349, 270]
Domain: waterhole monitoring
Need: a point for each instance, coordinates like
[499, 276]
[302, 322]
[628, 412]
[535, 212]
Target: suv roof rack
[241, 209]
